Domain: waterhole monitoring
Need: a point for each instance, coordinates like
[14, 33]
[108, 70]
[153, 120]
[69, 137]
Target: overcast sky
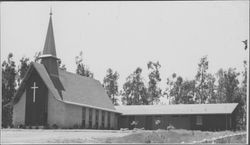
[126, 35]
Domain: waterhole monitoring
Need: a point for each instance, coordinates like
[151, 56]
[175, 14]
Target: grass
[175, 136]
[117, 136]
[231, 139]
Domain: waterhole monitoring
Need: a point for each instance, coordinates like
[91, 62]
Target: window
[108, 120]
[103, 119]
[90, 117]
[83, 116]
[96, 118]
[198, 120]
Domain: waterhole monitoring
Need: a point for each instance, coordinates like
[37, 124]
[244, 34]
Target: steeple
[49, 49]
[48, 57]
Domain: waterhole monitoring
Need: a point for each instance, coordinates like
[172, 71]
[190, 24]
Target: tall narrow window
[83, 116]
[96, 118]
[90, 117]
[198, 120]
[108, 120]
[103, 114]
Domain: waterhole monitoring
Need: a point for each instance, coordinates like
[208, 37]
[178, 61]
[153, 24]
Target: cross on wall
[34, 92]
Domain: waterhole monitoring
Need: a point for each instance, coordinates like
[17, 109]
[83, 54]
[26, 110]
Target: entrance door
[36, 101]
[149, 123]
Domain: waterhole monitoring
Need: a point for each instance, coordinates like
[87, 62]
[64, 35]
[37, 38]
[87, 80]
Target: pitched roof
[78, 90]
[180, 109]
[84, 90]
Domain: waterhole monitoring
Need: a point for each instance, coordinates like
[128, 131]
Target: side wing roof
[180, 109]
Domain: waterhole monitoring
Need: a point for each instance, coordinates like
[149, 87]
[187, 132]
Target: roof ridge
[174, 104]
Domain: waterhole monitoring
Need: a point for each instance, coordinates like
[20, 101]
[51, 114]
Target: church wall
[116, 121]
[56, 111]
[140, 121]
[73, 115]
[19, 111]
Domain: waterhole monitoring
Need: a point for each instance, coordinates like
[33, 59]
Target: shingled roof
[180, 109]
[78, 90]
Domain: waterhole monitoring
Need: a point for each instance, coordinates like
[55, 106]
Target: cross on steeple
[34, 92]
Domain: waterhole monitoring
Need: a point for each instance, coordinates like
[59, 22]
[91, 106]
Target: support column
[93, 117]
[105, 119]
[112, 120]
[100, 119]
[87, 118]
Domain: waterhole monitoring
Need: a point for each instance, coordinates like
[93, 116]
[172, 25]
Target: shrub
[147, 139]
[47, 126]
[170, 127]
[76, 126]
[54, 126]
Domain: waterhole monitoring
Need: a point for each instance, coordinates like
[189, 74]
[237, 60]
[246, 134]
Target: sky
[126, 35]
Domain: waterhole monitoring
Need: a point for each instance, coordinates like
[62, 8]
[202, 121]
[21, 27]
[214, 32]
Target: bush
[147, 139]
[76, 126]
[47, 126]
[21, 126]
[170, 127]
[54, 126]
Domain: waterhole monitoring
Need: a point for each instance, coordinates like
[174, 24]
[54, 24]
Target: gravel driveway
[58, 136]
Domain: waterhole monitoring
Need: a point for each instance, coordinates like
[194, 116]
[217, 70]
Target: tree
[201, 78]
[22, 69]
[242, 100]
[37, 55]
[154, 92]
[81, 68]
[111, 86]
[8, 89]
[229, 92]
[227, 85]
[134, 90]
[179, 91]
[61, 66]
[211, 89]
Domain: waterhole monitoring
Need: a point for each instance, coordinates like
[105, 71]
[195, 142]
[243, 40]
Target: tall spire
[49, 47]
[49, 59]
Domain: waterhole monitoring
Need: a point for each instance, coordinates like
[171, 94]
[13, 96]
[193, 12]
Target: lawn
[113, 136]
[177, 136]
[58, 135]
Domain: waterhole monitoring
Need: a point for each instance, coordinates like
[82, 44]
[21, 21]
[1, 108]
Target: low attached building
[183, 116]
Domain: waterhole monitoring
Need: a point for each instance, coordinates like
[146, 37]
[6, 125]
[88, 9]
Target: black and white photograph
[122, 72]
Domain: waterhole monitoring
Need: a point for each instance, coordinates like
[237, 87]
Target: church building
[48, 95]
[51, 96]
